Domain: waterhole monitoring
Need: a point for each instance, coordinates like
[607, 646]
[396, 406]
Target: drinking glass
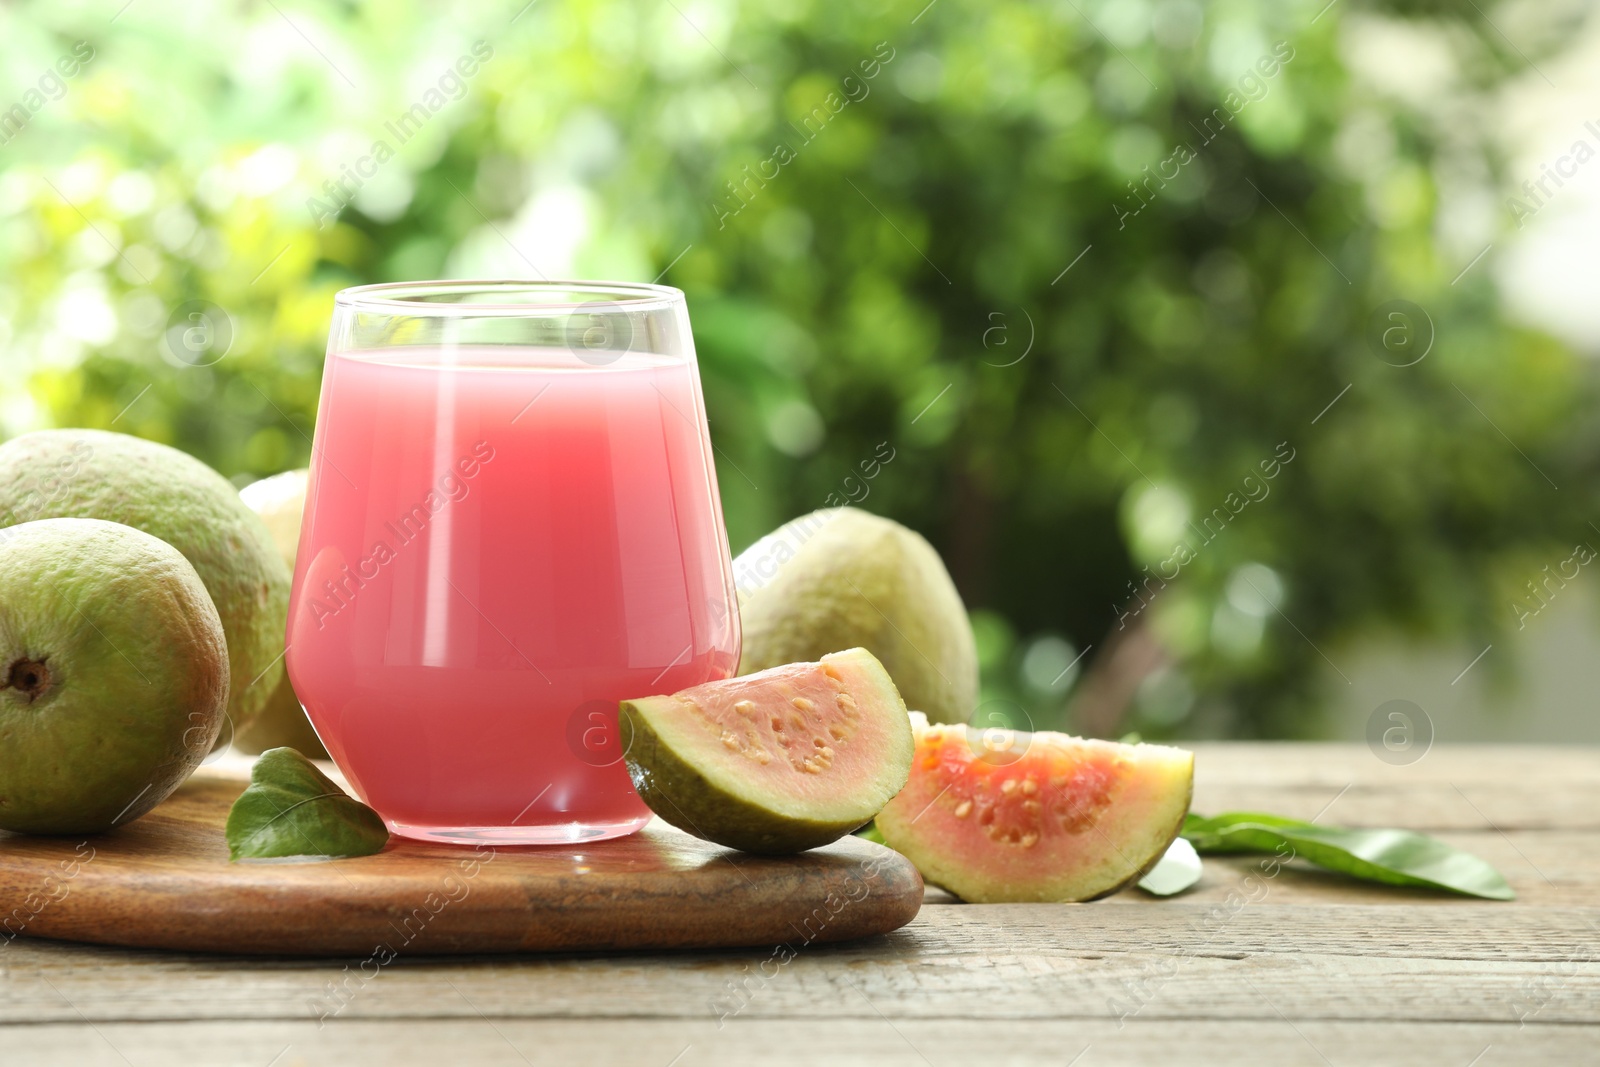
[511, 523]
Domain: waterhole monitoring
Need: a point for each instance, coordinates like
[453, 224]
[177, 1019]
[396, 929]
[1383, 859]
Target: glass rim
[411, 298]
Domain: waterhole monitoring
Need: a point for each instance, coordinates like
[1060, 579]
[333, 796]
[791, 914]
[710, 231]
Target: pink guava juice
[499, 543]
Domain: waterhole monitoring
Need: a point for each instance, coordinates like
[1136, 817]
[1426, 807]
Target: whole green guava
[94, 474]
[844, 578]
[113, 674]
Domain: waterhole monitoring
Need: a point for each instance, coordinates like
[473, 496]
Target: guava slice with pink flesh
[779, 761]
[1004, 816]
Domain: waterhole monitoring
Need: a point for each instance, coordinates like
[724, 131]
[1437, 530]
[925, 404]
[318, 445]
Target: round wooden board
[164, 881]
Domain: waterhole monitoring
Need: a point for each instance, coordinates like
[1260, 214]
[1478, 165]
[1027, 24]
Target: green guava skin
[113, 674]
[845, 578]
[674, 789]
[282, 723]
[94, 474]
[680, 783]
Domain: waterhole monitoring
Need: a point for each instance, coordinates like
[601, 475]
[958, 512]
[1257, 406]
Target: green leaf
[292, 809]
[1394, 857]
[1177, 870]
[871, 833]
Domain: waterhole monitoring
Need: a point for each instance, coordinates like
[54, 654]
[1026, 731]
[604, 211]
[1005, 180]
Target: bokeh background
[1305, 288]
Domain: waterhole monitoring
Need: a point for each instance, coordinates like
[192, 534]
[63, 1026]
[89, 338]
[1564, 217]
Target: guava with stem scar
[95, 474]
[113, 674]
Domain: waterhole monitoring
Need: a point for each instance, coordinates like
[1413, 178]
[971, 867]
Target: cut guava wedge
[775, 762]
[1003, 816]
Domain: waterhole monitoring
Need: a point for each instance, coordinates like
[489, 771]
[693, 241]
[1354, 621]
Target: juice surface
[499, 544]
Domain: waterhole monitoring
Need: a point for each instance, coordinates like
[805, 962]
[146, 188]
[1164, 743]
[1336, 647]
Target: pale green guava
[280, 501]
[113, 674]
[842, 578]
[93, 474]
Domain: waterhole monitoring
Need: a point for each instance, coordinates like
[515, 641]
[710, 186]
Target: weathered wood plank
[1483, 962]
[870, 1042]
[1452, 787]
[1291, 762]
[1302, 968]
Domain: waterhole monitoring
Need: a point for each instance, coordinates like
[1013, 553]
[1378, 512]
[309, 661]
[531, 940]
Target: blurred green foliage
[896, 270]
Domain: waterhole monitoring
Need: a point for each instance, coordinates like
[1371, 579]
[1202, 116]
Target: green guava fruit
[1001, 816]
[113, 674]
[93, 474]
[280, 501]
[781, 761]
[843, 578]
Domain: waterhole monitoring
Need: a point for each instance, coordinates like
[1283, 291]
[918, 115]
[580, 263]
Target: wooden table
[1301, 968]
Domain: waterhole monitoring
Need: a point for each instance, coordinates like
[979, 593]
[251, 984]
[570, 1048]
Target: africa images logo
[341, 590]
[1252, 86]
[451, 85]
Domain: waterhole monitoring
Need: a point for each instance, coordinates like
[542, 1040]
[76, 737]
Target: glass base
[561, 833]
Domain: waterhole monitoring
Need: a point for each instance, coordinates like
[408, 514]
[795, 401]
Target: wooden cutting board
[164, 881]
